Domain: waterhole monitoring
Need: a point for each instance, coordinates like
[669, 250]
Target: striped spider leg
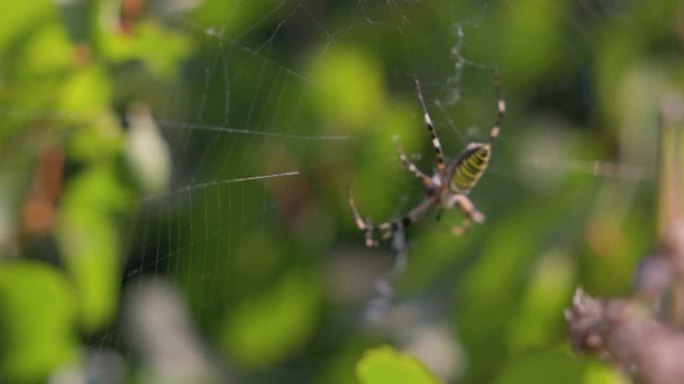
[448, 187]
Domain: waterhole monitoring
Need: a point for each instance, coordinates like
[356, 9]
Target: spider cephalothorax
[449, 186]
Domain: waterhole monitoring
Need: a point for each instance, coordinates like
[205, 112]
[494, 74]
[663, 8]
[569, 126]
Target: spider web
[247, 162]
[258, 178]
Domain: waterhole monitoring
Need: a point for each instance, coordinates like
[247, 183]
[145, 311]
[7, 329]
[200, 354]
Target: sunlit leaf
[89, 241]
[384, 365]
[348, 86]
[48, 52]
[86, 91]
[21, 16]
[37, 315]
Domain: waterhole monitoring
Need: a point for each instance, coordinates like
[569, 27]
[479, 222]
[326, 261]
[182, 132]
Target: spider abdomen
[470, 167]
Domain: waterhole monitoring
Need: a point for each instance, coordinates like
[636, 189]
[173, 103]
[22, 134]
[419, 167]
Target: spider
[448, 187]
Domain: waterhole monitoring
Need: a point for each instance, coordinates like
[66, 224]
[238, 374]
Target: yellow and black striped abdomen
[470, 167]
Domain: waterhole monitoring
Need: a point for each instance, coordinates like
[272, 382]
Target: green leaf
[266, 328]
[233, 16]
[89, 241]
[563, 368]
[386, 365]
[86, 91]
[48, 52]
[538, 317]
[348, 86]
[160, 49]
[539, 40]
[21, 17]
[37, 315]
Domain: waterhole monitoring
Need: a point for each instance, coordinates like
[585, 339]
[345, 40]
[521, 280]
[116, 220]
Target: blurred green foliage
[273, 271]
[266, 331]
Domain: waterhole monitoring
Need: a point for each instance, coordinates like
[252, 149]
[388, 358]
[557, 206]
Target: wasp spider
[448, 187]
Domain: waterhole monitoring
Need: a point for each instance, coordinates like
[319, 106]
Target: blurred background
[173, 176]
